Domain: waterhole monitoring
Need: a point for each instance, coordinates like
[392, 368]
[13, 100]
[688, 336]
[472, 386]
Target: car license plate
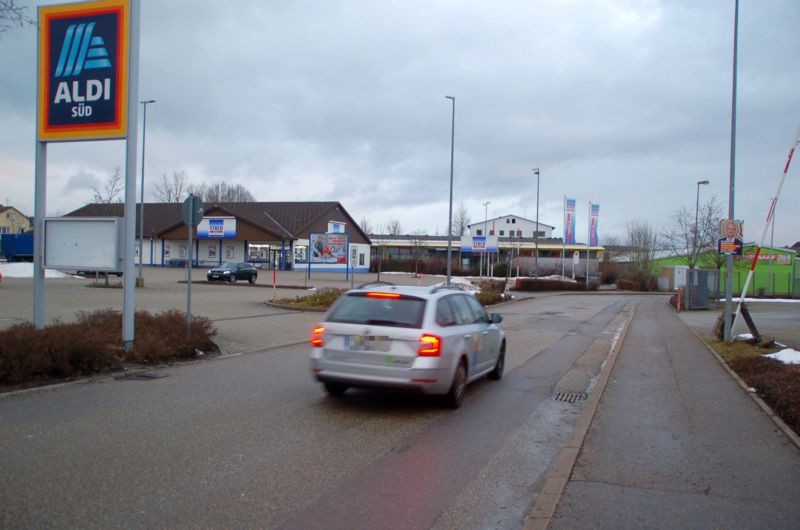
[366, 343]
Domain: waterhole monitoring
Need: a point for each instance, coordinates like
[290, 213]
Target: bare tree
[12, 15]
[418, 249]
[461, 221]
[691, 233]
[642, 242]
[393, 228]
[171, 189]
[365, 225]
[223, 192]
[110, 193]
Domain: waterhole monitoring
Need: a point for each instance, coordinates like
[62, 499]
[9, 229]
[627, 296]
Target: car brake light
[383, 295]
[430, 346]
[316, 337]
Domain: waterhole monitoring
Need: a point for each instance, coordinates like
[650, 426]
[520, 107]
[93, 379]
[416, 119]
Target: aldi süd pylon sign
[83, 71]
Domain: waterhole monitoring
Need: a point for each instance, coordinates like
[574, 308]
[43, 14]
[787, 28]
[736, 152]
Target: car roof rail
[374, 284]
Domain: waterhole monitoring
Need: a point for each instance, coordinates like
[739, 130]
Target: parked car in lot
[231, 272]
[433, 340]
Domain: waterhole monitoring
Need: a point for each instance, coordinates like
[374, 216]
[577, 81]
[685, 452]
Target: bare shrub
[93, 343]
[777, 384]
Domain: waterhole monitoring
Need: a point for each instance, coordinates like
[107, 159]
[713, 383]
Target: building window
[508, 221]
[519, 233]
[502, 232]
[513, 221]
[478, 232]
[491, 232]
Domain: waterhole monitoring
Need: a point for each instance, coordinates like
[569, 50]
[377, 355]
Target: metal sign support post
[40, 198]
[189, 272]
[129, 266]
[192, 213]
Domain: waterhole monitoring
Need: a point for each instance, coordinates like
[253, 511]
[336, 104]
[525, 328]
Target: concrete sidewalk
[676, 443]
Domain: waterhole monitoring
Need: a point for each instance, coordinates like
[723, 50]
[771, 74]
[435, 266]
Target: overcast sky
[622, 103]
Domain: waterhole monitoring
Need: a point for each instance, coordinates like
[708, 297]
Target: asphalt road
[252, 441]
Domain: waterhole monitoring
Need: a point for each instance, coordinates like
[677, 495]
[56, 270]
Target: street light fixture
[696, 220]
[536, 232]
[695, 251]
[141, 204]
[450, 209]
[486, 239]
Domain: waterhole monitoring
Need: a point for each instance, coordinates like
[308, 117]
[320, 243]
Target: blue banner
[569, 221]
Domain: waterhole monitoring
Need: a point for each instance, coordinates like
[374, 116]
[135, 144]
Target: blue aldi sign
[83, 71]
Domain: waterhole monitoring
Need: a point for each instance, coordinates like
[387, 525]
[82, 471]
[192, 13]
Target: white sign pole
[129, 265]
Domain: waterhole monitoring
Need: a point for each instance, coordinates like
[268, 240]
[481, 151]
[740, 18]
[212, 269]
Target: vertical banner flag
[569, 221]
[595, 214]
[83, 71]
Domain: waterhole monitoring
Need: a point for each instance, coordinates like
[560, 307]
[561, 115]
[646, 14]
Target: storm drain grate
[569, 397]
[140, 376]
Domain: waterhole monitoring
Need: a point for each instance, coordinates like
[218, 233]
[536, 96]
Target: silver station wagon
[434, 340]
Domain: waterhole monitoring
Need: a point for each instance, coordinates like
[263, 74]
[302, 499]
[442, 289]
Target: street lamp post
[536, 232]
[695, 251]
[450, 209]
[486, 238]
[695, 242]
[141, 204]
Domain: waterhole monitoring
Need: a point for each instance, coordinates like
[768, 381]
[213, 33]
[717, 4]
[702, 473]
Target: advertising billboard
[83, 243]
[83, 71]
[328, 248]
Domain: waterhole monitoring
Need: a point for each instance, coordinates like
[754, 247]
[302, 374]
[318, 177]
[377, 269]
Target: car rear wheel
[497, 373]
[252, 279]
[232, 278]
[455, 397]
[335, 389]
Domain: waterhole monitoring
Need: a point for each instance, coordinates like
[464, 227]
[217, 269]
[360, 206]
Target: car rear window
[359, 308]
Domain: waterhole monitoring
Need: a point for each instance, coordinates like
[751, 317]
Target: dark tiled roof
[286, 220]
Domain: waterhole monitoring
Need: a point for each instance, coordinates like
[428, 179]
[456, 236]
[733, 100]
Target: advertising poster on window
[569, 221]
[328, 248]
[595, 214]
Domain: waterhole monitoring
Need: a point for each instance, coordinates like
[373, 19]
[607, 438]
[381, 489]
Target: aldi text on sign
[83, 70]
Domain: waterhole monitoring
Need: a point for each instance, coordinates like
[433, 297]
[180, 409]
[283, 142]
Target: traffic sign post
[191, 213]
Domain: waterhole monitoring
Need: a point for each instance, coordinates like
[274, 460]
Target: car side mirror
[496, 319]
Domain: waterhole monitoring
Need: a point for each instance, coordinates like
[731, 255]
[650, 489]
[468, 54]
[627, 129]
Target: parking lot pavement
[244, 320]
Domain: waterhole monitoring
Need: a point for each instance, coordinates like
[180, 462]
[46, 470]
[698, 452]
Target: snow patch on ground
[25, 270]
[786, 356]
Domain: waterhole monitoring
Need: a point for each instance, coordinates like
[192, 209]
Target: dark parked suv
[230, 272]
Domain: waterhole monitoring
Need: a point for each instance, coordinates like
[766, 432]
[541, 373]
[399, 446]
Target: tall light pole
[450, 209]
[536, 232]
[696, 220]
[728, 322]
[141, 204]
[486, 238]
